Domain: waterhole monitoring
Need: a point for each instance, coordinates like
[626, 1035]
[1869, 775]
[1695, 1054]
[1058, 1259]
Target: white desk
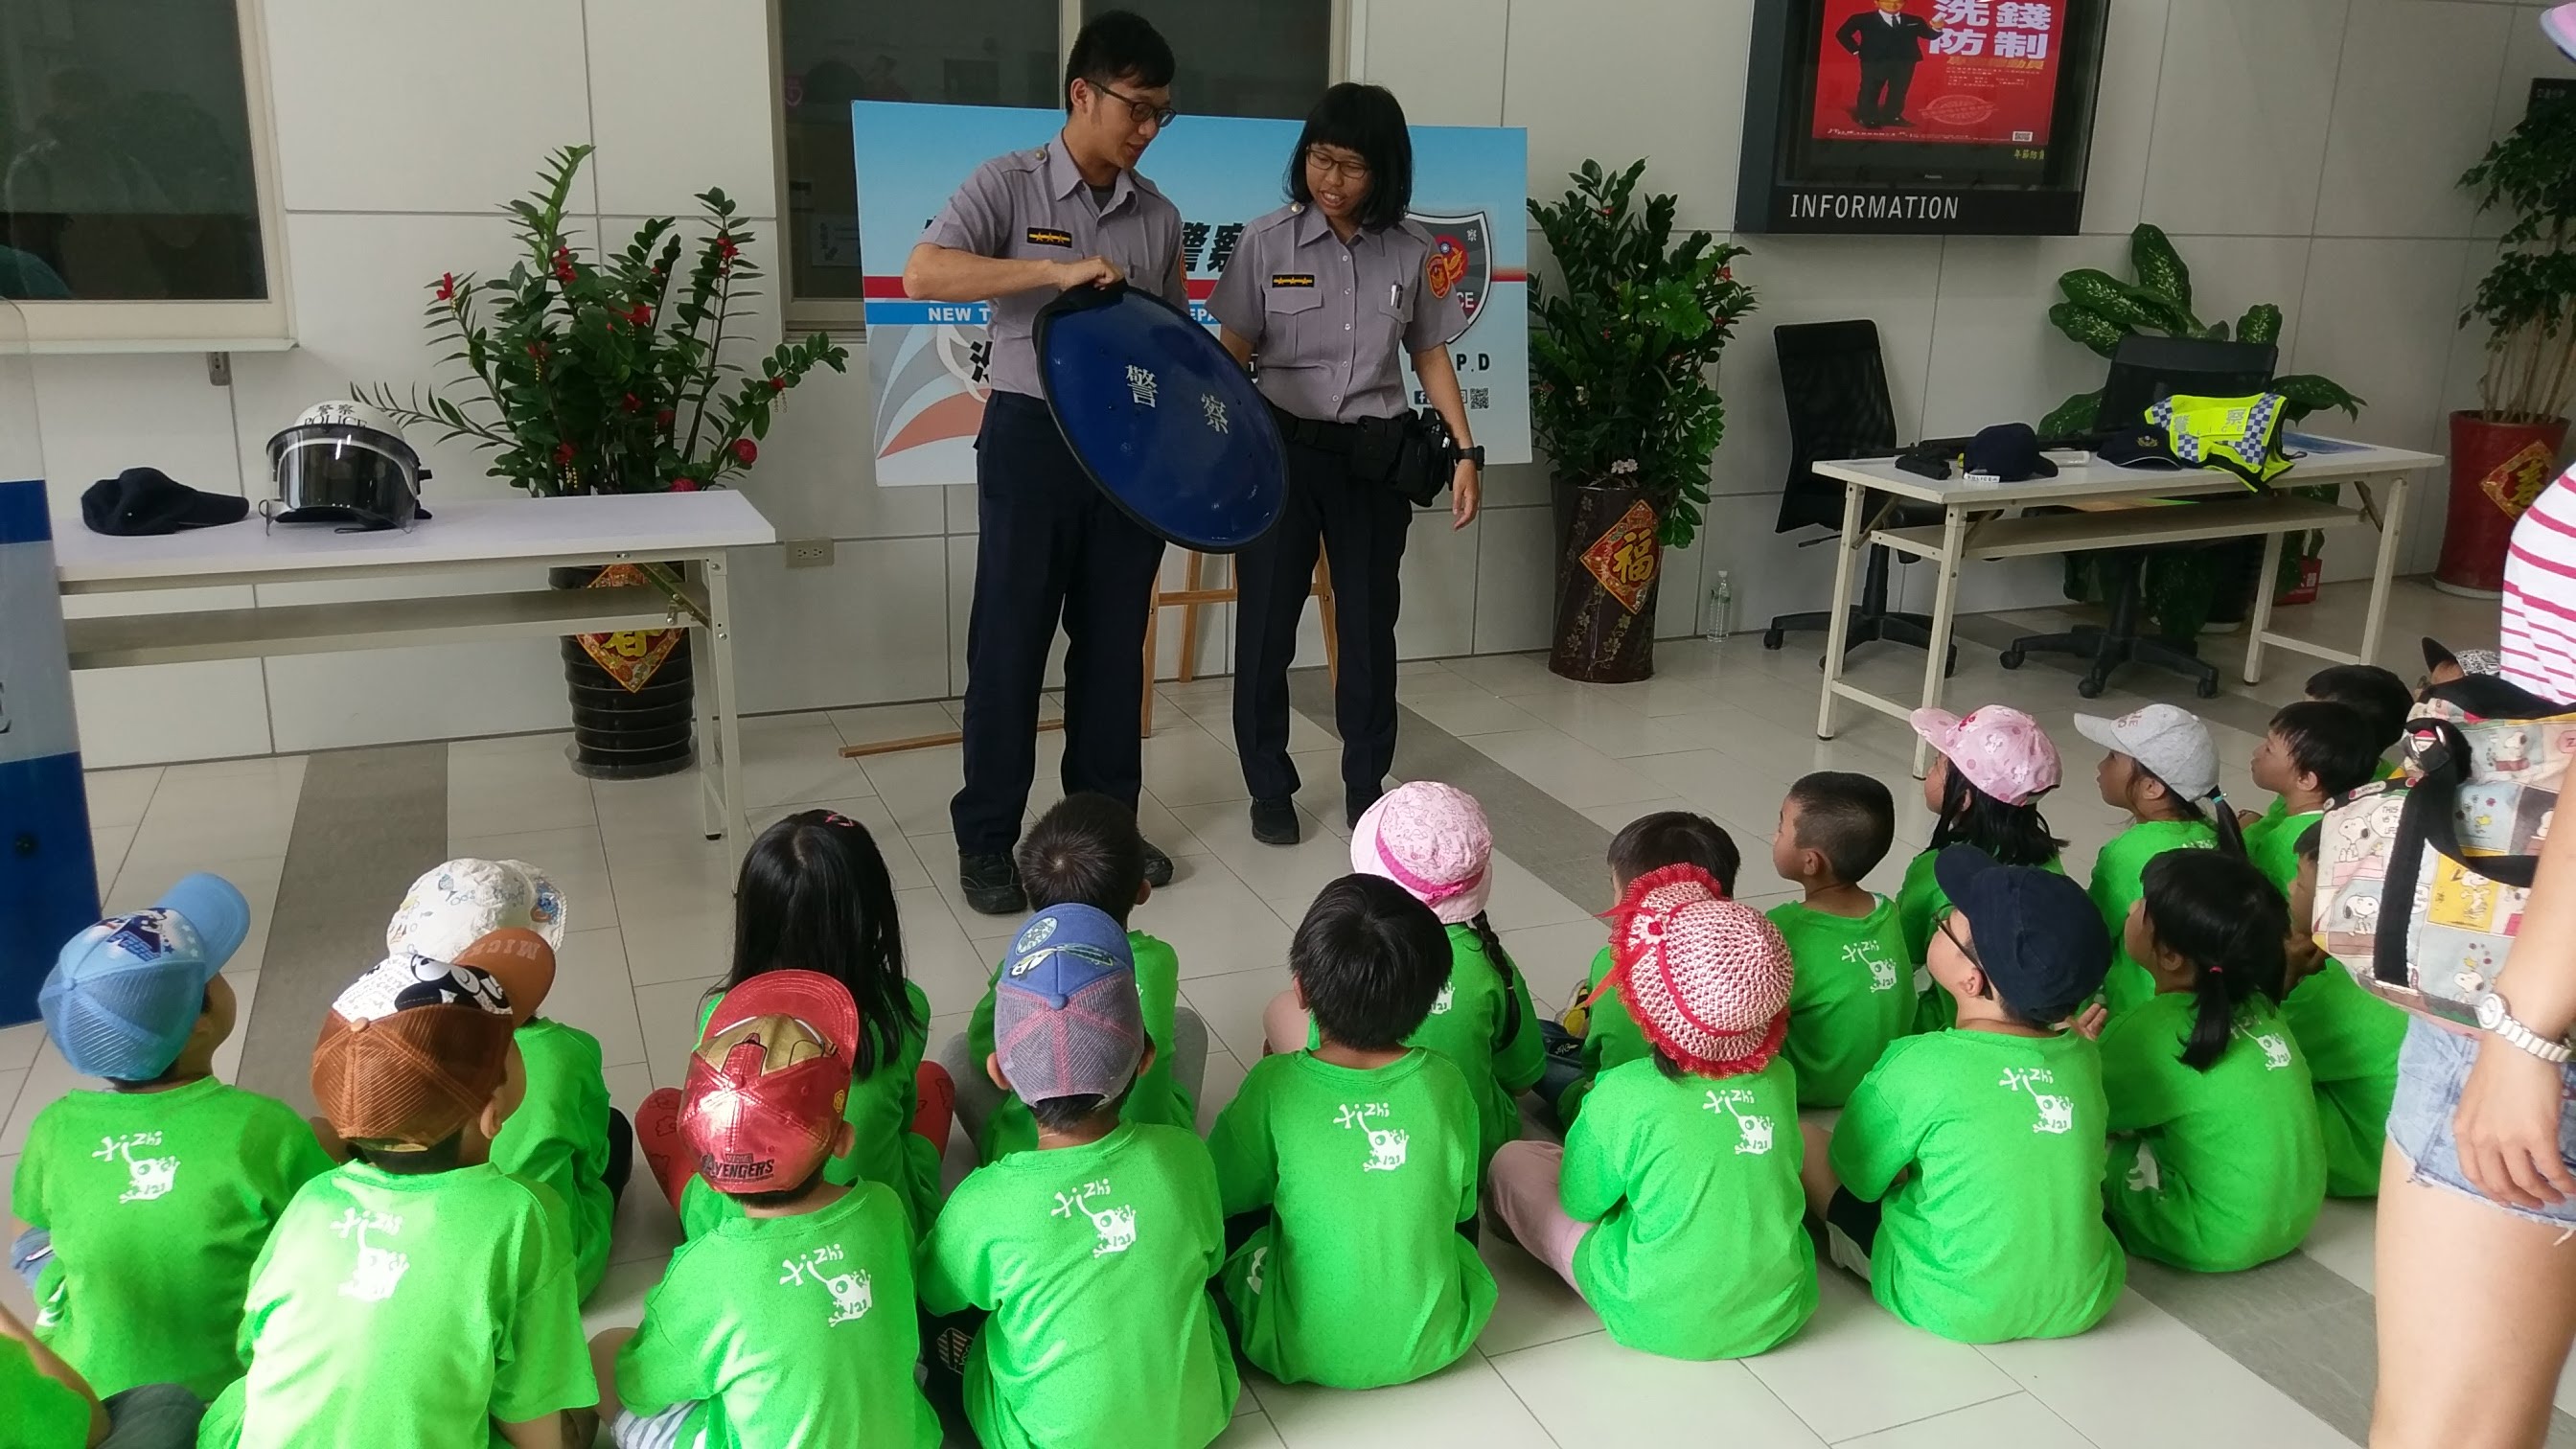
[1976, 522]
[694, 530]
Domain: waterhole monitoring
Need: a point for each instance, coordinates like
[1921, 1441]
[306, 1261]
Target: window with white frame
[1242, 58]
[128, 164]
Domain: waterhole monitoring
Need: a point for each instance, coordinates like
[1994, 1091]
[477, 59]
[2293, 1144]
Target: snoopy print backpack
[2422, 880]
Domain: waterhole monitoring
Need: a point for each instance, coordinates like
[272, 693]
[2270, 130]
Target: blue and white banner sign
[48, 876]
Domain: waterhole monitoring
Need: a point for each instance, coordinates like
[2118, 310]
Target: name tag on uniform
[1292, 279]
[1049, 237]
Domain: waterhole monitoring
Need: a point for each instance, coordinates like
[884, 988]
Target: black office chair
[1835, 384]
[2145, 371]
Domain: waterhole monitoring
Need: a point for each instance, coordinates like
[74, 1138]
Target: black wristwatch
[1475, 455]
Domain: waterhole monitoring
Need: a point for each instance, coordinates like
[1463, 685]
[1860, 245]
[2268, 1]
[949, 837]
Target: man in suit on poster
[1889, 43]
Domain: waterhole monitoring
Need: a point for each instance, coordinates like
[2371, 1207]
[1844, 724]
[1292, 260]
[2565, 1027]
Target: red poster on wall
[1981, 72]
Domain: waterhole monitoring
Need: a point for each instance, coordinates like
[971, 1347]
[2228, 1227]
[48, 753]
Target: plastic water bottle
[1721, 608]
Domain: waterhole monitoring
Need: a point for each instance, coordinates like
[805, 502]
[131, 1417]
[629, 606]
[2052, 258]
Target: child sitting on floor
[2349, 1036]
[1432, 840]
[1074, 1276]
[2313, 752]
[1085, 850]
[814, 895]
[1674, 1206]
[1855, 988]
[1348, 1170]
[792, 1322]
[1597, 1032]
[1965, 1176]
[148, 1201]
[2215, 1163]
[1989, 768]
[2161, 765]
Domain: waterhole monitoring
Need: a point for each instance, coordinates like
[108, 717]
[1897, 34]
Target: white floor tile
[1184, 766]
[1464, 1406]
[1591, 1391]
[1532, 1305]
[668, 1014]
[227, 1060]
[2124, 1384]
[107, 847]
[2343, 1240]
[1469, 711]
[1232, 1004]
[1250, 1430]
[1573, 772]
[1215, 922]
[576, 850]
[1855, 1369]
[1556, 959]
[48, 1077]
[593, 992]
[689, 945]
[119, 797]
[1520, 900]
[1288, 875]
[2017, 1420]
[10, 1081]
[798, 761]
[18, 1045]
[937, 954]
[917, 786]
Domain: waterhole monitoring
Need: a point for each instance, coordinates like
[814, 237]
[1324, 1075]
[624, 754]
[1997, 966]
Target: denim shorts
[2432, 1068]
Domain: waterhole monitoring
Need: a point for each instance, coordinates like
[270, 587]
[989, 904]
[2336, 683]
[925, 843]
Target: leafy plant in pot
[610, 375]
[2506, 450]
[1622, 401]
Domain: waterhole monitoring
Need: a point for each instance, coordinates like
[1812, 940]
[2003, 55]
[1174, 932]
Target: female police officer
[1327, 295]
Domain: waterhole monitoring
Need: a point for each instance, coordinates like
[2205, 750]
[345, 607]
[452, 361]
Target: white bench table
[693, 530]
[1979, 522]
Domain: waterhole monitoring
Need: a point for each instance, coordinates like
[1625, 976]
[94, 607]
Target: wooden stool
[1193, 595]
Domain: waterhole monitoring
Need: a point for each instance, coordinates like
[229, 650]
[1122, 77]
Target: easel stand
[1192, 596]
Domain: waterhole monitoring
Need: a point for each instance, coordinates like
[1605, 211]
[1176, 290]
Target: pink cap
[1432, 840]
[2558, 22]
[1706, 978]
[2001, 750]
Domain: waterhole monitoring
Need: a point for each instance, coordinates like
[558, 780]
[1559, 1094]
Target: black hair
[1673, 1070]
[813, 895]
[1060, 1115]
[1675, 837]
[783, 1196]
[2305, 847]
[2378, 694]
[1084, 851]
[1850, 817]
[1482, 929]
[2219, 913]
[402, 1160]
[1370, 960]
[2221, 821]
[2330, 740]
[1368, 120]
[2012, 834]
[1118, 45]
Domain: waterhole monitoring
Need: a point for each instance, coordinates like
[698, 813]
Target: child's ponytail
[1491, 943]
[2222, 819]
[2218, 912]
[2012, 834]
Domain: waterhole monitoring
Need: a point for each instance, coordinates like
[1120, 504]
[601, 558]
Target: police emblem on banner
[1461, 262]
[630, 656]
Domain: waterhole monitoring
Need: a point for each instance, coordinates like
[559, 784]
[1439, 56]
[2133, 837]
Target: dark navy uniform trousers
[1051, 548]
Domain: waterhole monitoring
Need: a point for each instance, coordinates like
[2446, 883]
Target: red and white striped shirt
[2539, 624]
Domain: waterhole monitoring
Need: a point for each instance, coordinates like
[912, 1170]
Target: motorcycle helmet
[344, 462]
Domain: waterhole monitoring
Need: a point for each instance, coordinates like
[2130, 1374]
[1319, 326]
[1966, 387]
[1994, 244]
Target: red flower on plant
[778, 384]
[447, 287]
[725, 246]
[663, 418]
[563, 455]
[684, 485]
[537, 350]
[631, 402]
[563, 263]
[745, 450]
[640, 315]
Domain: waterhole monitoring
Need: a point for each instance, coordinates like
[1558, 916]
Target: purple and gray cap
[1066, 1021]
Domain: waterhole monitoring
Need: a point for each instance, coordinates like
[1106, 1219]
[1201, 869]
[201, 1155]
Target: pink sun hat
[1432, 840]
[2559, 24]
[2001, 750]
[1707, 978]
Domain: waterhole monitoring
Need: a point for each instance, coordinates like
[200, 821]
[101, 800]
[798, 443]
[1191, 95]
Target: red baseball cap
[768, 1081]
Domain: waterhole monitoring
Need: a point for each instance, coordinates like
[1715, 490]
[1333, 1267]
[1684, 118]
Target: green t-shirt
[1094, 1262]
[407, 1312]
[1490, 1032]
[1157, 1099]
[48, 1414]
[2350, 1039]
[1852, 994]
[1610, 1038]
[559, 1137]
[1360, 1279]
[880, 1111]
[1996, 1230]
[1919, 903]
[2272, 843]
[793, 1330]
[1700, 1249]
[2119, 880]
[158, 1203]
[2212, 1171]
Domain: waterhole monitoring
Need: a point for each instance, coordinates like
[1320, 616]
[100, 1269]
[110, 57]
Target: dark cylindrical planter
[622, 733]
[2240, 569]
[2497, 469]
[1609, 565]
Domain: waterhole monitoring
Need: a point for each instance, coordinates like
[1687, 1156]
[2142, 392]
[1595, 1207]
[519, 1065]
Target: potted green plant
[1622, 400]
[2504, 451]
[610, 375]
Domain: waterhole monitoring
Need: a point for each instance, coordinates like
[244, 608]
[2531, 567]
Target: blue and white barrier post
[48, 875]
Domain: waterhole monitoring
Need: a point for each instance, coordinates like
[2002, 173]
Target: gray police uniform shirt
[1034, 205]
[1332, 322]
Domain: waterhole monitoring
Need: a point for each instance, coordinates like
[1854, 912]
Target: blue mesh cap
[1066, 1021]
[125, 993]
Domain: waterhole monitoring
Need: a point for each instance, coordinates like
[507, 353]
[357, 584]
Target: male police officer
[1024, 227]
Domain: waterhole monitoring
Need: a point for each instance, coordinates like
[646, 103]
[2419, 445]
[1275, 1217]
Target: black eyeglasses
[1140, 111]
[1349, 169]
[1942, 923]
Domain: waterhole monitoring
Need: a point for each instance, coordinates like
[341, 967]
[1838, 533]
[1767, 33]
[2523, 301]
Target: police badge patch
[1461, 262]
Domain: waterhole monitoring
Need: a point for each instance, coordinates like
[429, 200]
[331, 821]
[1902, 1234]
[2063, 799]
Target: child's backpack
[2422, 880]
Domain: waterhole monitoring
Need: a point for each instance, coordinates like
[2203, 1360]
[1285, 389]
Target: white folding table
[693, 530]
[1990, 521]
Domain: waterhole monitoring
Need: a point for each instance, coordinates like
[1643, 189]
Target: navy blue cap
[2037, 934]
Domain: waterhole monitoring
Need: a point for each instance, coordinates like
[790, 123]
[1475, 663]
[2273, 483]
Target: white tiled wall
[2299, 151]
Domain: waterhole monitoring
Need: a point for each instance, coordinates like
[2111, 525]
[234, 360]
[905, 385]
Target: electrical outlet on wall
[809, 553]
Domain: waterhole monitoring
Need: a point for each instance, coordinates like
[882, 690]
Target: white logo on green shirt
[1882, 972]
[2056, 1114]
[146, 1177]
[1116, 1226]
[851, 1295]
[2145, 1173]
[2276, 1051]
[378, 1271]
[1753, 1133]
[1447, 998]
[1386, 1146]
